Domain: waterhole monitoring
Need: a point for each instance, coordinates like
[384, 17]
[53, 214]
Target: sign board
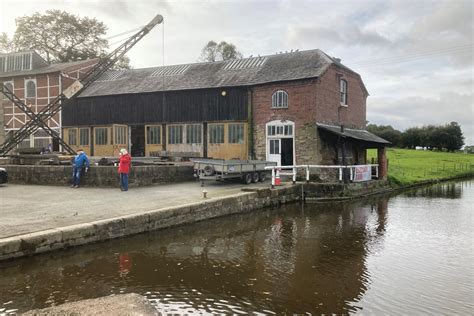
[362, 173]
[73, 89]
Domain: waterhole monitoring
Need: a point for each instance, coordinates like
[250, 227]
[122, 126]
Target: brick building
[293, 108]
[36, 83]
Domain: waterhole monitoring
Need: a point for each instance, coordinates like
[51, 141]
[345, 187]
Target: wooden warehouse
[265, 107]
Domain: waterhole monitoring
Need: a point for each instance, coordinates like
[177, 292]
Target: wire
[123, 33]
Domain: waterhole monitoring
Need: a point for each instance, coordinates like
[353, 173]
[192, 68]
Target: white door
[274, 150]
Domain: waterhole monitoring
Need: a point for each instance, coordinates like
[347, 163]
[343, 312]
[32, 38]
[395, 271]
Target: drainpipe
[251, 149]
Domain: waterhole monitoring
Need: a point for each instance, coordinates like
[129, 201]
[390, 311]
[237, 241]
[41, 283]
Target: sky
[415, 56]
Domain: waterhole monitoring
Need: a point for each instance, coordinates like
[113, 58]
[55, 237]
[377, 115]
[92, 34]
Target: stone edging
[80, 234]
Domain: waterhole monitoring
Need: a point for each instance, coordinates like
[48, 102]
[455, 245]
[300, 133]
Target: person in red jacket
[124, 168]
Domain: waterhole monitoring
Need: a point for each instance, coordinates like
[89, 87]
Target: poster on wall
[362, 173]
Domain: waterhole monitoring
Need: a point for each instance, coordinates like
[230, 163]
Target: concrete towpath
[28, 209]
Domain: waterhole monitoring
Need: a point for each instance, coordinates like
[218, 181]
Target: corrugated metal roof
[240, 72]
[359, 134]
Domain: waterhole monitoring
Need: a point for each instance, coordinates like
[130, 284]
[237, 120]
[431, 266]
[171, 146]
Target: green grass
[406, 166]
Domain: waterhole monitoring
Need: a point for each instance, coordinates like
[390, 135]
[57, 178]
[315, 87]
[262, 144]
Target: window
[216, 134]
[30, 89]
[274, 130]
[72, 136]
[9, 86]
[280, 99]
[153, 135]
[193, 134]
[120, 135]
[101, 136]
[175, 134]
[236, 133]
[343, 91]
[83, 136]
[274, 146]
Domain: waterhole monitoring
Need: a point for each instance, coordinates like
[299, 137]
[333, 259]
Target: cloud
[413, 111]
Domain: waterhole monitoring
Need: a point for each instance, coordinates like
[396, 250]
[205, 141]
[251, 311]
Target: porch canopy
[361, 136]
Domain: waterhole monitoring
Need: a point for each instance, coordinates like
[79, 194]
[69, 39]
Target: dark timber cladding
[203, 105]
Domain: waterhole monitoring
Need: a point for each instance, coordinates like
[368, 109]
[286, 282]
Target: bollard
[273, 178]
[204, 194]
[277, 177]
[294, 175]
[307, 174]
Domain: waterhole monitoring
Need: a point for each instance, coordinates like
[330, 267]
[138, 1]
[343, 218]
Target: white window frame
[280, 99]
[26, 88]
[12, 89]
[343, 92]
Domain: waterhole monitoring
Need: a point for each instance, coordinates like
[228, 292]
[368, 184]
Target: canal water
[410, 253]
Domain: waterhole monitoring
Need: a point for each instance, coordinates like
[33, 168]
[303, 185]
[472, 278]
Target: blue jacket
[80, 160]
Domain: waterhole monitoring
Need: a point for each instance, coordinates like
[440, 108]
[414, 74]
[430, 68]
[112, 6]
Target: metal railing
[354, 176]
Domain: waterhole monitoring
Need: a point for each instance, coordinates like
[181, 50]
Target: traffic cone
[277, 177]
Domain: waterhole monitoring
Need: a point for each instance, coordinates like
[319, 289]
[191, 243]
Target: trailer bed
[219, 169]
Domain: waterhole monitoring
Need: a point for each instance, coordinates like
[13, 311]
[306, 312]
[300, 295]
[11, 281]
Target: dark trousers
[76, 176]
[124, 181]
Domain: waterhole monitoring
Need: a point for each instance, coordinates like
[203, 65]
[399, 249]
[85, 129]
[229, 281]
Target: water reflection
[449, 190]
[285, 260]
[317, 259]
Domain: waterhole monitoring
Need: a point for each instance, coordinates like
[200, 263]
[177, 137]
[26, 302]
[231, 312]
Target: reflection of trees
[449, 190]
[286, 260]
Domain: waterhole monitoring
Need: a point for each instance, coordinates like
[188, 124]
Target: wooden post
[382, 160]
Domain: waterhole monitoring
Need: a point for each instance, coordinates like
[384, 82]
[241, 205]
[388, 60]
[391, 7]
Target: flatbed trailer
[219, 169]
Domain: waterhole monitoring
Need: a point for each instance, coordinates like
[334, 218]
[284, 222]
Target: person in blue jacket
[79, 162]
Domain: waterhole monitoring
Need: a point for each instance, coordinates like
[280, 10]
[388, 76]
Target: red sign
[362, 173]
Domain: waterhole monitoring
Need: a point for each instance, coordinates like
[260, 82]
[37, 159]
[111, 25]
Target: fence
[356, 172]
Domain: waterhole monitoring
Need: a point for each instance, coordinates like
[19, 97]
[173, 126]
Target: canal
[410, 253]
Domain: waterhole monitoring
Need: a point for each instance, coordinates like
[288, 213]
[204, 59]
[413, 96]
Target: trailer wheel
[263, 176]
[255, 177]
[247, 178]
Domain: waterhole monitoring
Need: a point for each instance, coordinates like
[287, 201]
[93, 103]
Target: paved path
[31, 208]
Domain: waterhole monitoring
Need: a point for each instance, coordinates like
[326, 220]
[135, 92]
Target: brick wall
[310, 101]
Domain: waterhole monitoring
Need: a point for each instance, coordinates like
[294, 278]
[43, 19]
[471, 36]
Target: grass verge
[407, 167]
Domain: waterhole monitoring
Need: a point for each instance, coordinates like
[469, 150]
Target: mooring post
[307, 173]
[273, 178]
[294, 175]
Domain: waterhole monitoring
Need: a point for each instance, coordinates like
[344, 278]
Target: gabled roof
[238, 72]
[357, 134]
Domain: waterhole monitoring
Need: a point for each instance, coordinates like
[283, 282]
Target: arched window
[9, 86]
[30, 89]
[280, 99]
[343, 92]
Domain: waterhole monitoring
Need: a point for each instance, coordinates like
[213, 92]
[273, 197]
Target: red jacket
[124, 163]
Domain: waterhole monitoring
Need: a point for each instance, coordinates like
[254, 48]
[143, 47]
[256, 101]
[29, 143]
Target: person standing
[124, 168]
[79, 162]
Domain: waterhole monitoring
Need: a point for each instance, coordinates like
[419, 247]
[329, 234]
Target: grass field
[406, 166]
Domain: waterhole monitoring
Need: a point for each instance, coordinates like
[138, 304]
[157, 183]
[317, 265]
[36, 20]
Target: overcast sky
[415, 56]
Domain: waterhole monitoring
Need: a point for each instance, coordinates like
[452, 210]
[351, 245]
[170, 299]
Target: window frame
[96, 138]
[12, 88]
[70, 133]
[177, 137]
[120, 135]
[215, 136]
[237, 136]
[343, 92]
[81, 143]
[27, 82]
[193, 130]
[150, 137]
[276, 98]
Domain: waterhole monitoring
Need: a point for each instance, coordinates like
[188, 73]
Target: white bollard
[273, 178]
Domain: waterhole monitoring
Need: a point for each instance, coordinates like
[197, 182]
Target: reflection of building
[36, 83]
[291, 264]
[287, 108]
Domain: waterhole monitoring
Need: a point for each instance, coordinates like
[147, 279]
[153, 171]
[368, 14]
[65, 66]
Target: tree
[217, 52]
[386, 132]
[6, 44]
[59, 36]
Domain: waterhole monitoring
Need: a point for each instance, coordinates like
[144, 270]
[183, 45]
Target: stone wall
[81, 234]
[98, 176]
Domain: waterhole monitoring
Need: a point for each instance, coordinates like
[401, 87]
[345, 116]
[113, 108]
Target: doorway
[280, 142]
[137, 140]
[287, 151]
